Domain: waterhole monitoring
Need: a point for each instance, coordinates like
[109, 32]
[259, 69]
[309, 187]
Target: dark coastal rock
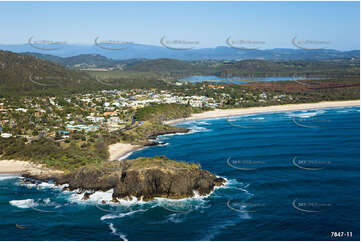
[144, 183]
[152, 143]
[86, 196]
[219, 181]
[150, 183]
[65, 189]
[175, 131]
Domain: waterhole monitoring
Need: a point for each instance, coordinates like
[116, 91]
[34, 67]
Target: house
[63, 132]
[21, 110]
[109, 114]
[95, 119]
[6, 135]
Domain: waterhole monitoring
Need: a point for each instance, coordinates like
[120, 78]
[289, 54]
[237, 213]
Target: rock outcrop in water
[144, 178]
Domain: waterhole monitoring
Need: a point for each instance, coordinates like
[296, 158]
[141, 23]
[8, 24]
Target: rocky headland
[144, 178]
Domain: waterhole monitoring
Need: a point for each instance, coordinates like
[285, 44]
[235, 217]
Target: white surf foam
[175, 218]
[26, 203]
[167, 136]
[346, 110]
[197, 129]
[7, 177]
[121, 215]
[234, 184]
[165, 144]
[30, 203]
[43, 185]
[305, 114]
[203, 122]
[93, 198]
[114, 231]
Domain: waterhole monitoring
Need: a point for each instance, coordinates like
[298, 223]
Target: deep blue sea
[291, 176]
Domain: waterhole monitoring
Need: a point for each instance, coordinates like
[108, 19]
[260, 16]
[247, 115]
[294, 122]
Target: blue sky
[209, 23]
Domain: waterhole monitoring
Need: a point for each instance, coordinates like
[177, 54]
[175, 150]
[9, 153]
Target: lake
[194, 79]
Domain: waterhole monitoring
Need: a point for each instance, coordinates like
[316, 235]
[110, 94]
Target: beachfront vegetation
[142, 133]
[160, 162]
[52, 154]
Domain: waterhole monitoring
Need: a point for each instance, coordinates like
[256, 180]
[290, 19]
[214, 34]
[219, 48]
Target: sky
[209, 24]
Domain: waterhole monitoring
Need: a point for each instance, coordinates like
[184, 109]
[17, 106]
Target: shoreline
[223, 113]
[119, 150]
[18, 167]
[129, 152]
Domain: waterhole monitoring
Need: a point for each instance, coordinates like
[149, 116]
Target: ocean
[291, 176]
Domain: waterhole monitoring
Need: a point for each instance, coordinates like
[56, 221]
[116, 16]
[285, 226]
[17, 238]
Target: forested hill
[179, 68]
[27, 74]
[287, 68]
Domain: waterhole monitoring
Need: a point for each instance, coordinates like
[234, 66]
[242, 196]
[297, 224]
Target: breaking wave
[114, 231]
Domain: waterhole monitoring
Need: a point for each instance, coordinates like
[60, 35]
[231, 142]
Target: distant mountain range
[137, 51]
[84, 60]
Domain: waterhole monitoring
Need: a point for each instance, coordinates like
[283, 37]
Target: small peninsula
[144, 178]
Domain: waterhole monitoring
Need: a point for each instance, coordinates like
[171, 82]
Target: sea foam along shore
[222, 113]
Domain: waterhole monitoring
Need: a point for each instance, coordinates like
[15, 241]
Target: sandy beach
[119, 150]
[219, 113]
[20, 167]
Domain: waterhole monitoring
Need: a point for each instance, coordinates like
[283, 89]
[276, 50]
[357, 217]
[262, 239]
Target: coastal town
[59, 118]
